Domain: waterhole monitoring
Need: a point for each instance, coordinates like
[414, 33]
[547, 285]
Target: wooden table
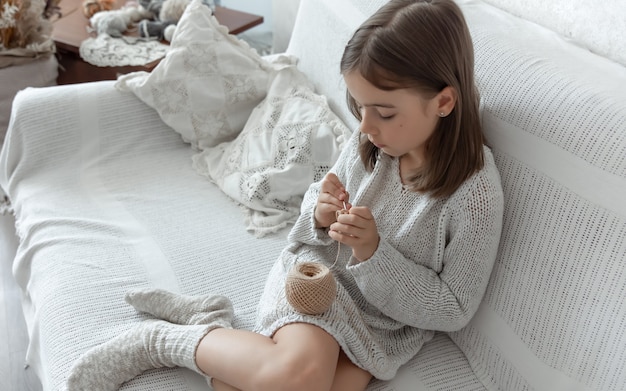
[71, 29]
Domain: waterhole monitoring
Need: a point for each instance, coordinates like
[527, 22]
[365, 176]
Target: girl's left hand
[357, 229]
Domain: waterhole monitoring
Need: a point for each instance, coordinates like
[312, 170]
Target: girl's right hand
[331, 199]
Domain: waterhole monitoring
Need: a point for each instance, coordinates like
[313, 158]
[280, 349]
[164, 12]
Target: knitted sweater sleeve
[444, 300]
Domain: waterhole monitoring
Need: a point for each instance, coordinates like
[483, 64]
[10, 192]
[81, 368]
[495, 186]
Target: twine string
[310, 287]
[344, 210]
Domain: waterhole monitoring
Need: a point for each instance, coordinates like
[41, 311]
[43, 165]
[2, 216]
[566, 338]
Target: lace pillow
[208, 83]
[291, 140]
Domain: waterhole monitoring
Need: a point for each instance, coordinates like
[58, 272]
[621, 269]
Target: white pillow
[208, 83]
[291, 140]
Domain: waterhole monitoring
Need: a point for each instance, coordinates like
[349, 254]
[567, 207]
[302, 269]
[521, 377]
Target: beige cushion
[38, 73]
[208, 83]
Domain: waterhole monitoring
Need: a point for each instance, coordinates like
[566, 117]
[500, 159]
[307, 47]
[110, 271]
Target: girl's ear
[446, 100]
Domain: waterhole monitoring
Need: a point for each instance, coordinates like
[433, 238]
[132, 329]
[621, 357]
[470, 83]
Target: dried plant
[9, 14]
[24, 23]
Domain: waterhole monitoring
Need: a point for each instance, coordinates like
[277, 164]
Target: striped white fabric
[555, 114]
[106, 200]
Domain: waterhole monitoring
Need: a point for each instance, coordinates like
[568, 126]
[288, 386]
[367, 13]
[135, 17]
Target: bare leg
[349, 377]
[298, 357]
[220, 386]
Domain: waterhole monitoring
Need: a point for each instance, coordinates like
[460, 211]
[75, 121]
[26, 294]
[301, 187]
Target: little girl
[414, 251]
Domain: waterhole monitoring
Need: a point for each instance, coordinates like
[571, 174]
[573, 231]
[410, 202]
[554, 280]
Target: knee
[294, 374]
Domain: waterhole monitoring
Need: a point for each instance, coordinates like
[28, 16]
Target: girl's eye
[384, 116]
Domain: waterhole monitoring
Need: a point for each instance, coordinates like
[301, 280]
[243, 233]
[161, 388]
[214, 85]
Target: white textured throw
[127, 211]
[131, 213]
[553, 316]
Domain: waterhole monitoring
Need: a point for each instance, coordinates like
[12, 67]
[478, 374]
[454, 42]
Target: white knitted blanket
[106, 200]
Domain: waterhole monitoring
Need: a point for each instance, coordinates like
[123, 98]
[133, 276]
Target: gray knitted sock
[152, 344]
[180, 309]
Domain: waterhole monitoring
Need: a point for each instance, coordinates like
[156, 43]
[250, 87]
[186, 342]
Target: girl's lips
[379, 146]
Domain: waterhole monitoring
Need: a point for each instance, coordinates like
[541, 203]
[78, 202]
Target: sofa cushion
[208, 83]
[291, 140]
[555, 116]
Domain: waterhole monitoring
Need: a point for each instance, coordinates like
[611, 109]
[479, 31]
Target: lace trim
[105, 50]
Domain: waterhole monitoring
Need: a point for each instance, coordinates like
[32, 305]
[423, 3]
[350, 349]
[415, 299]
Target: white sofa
[106, 198]
[283, 25]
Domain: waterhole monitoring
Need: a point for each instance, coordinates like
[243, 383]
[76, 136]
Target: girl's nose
[367, 125]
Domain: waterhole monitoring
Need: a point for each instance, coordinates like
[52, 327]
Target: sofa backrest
[321, 31]
[596, 25]
[554, 315]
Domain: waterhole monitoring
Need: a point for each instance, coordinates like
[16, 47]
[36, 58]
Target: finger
[348, 228]
[332, 185]
[351, 221]
[331, 181]
[362, 211]
[356, 217]
[344, 238]
[341, 237]
[331, 200]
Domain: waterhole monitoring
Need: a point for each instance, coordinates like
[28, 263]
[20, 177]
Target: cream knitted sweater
[429, 272]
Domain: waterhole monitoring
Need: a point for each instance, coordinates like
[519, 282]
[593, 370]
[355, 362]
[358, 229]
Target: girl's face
[399, 122]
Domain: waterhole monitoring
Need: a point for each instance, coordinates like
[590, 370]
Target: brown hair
[424, 45]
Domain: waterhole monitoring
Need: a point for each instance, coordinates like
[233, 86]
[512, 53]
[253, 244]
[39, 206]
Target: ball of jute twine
[310, 286]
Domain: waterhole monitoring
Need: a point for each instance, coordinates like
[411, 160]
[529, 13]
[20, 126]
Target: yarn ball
[109, 23]
[152, 6]
[154, 29]
[168, 32]
[90, 7]
[172, 10]
[310, 288]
